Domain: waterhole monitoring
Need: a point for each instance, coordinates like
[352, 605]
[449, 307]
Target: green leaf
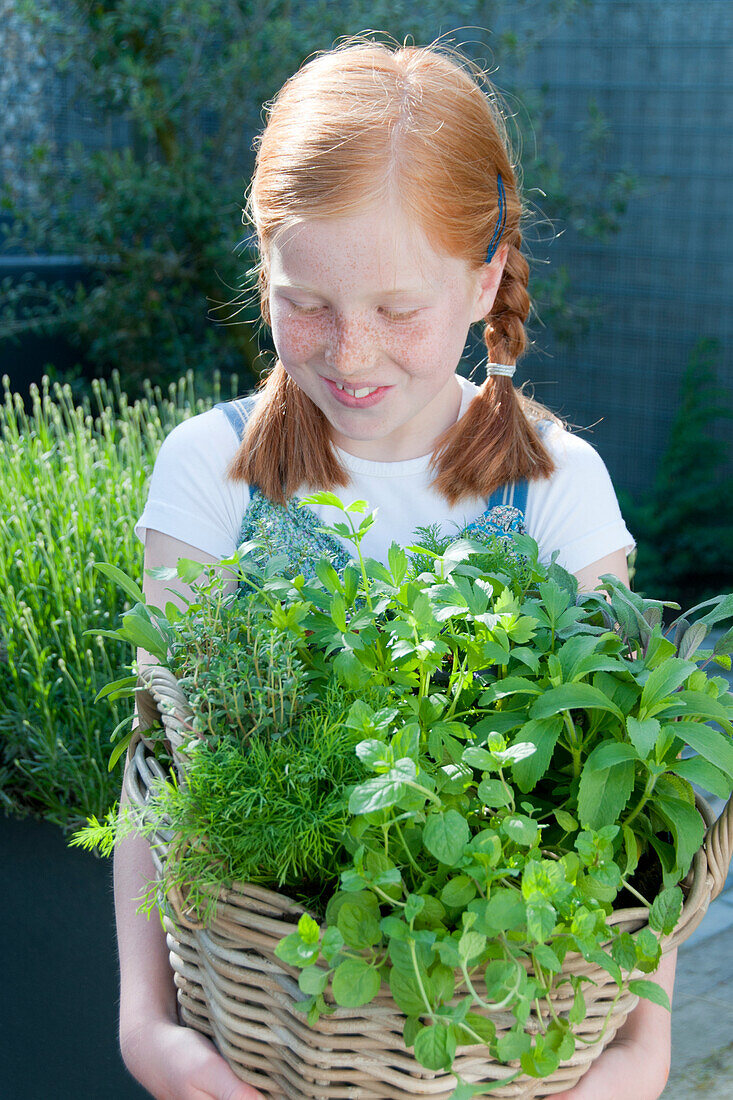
[470, 945]
[189, 570]
[603, 792]
[397, 560]
[665, 911]
[293, 951]
[355, 983]
[406, 993]
[695, 769]
[686, 826]
[711, 744]
[541, 920]
[578, 1011]
[122, 580]
[412, 1026]
[435, 1047]
[358, 928]
[322, 498]
[665, 679]
[651, 991]
[572, 697]
[543, 734]
[123, 685]
[383, 791]
[612, 753]
[643, 735]
[546, 958]
[522, 830]
[504, 909]
[308, 930]
[445, 836]
[493, 792]
[121, 746]
[566, 821]
[313, 980]
[458, 891]
[513, 1044]
[141, 632]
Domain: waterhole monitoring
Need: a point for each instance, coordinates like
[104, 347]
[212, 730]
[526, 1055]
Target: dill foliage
[274, 814]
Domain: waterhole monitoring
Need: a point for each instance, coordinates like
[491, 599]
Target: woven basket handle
[160, 699]
[718, 845]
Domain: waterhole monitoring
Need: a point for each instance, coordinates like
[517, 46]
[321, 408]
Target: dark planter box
[58, 1019]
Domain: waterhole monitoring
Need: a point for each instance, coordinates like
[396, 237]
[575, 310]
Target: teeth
[356, 393]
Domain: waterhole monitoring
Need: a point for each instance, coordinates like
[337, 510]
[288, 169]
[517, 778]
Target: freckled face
[365, 303]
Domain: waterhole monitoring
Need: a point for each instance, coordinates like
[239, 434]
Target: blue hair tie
[501, 222]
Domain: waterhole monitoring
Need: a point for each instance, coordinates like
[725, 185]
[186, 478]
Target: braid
[505, 336]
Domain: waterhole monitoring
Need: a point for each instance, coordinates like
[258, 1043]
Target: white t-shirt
[574, 511]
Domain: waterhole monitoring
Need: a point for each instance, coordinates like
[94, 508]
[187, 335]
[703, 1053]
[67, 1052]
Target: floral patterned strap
[298, 531]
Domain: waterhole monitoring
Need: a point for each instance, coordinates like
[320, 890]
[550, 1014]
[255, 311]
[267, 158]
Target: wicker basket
[232, 987]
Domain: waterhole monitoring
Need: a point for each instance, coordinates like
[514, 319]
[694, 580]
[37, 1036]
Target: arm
[635, 1065]
[172, 1062]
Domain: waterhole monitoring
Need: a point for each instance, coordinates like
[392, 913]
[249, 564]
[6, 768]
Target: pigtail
[495, 441]
[286, 443]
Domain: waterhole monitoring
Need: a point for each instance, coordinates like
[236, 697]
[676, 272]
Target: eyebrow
[378, 294]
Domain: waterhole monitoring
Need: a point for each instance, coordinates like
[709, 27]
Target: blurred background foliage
[155, 222]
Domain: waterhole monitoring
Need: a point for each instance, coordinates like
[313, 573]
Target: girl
[387, 212]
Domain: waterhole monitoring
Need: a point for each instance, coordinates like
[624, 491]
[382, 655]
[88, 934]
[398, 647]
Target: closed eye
[392, 314]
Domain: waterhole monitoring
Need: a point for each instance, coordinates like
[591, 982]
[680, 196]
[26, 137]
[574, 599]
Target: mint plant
[517, 773]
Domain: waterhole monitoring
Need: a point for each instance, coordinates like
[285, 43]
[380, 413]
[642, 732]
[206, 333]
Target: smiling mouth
[363, 392]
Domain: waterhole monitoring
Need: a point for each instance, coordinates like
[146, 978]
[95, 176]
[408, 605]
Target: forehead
[375, 251]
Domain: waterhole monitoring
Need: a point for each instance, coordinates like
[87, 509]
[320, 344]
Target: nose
[350, 347]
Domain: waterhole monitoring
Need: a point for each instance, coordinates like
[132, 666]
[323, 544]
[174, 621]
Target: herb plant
[519, 745]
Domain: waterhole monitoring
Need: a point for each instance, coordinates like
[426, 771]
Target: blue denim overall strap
[299, 533]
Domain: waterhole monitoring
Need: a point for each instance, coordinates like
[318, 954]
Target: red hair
[352, 125]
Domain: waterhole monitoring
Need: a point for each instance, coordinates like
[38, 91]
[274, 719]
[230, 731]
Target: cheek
[297, 339]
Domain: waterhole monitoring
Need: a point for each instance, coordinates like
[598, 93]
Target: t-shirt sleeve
[189, 496]
[576, 510]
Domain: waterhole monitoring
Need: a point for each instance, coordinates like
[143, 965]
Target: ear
[488, 278]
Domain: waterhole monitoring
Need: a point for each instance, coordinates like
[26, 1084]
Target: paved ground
[702, 1011]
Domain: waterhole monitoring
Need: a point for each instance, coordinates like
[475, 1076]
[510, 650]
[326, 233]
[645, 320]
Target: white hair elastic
[507, 369]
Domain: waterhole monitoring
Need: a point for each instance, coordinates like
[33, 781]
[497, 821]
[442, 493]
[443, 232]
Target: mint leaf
[665, 911]
[651, 991]
[355, 983]
[445, 835]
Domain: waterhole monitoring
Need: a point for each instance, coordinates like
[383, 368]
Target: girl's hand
[625, 1071]
[635, 1066]
[177, 1063]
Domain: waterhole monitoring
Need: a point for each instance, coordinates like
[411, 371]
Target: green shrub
[74, 479]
